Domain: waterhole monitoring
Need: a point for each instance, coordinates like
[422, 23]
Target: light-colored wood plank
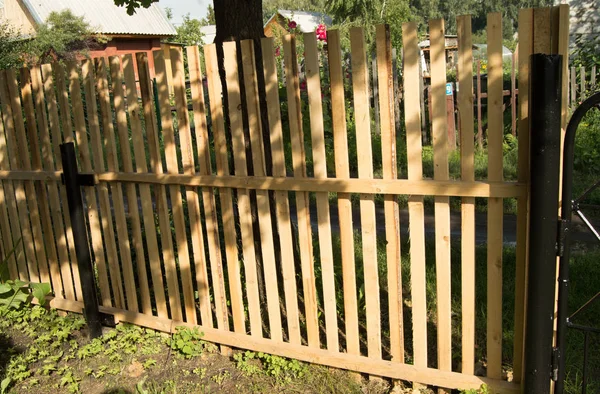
[152, 137]
[342, 171]
[139, 154]
[431, 376]
[282, 207]
[96, 146]
[225, 195]
[593, 78]
[495, 205]
[302, 201]
[193, 205]
[238, 145]
[442, 206]
[26, 196]
[320, 172]
[416, 209]
[573, 80]
[172, 167]
[47, 137]
[48, 204]
[582, 85]
[391, 208]
[525, 51]
[108, 139]
[13, 190]
[208, 198]
[542, 27]
[262, 196]
[64, 111]
[467, 160]
[133, 211]
[360, 83]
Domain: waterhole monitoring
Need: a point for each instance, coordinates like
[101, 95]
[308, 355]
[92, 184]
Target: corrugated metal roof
[209, 32]
[307, 21]
[105, 17]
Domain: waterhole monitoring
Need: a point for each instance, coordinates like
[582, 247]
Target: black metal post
[544, 118]
[71, 179]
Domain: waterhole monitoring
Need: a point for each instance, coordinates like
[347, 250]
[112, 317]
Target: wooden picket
[162, 156]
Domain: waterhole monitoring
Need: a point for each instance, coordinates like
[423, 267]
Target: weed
[188, 342]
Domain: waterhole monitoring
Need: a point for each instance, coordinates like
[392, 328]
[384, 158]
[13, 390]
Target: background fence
[274, 244]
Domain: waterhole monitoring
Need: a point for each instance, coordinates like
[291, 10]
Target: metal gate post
[544, 118]
[73, 181]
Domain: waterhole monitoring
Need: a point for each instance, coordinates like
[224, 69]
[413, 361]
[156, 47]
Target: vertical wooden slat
[416, 209]
[375, 93]
[170, 151]
[390, 171]
[50, 212]
[262, 196]
[513, 92]
[465, 109]
[593, 78]
[132, 198]
[573, 80]
[360, 81]
[108, 137]
[302, 202]
[139, 154]
[495, 205]
[81, 137]
[208, 198]
[582, 82]
[64, 112]
[87, 71]
[442, 206]
[26, 196]
[243, 197]
[281, 197]
[525, 51]
[342, 171]
[479, 117]
[148, 105]
[320, 170]
[193, 205]
[225, 195]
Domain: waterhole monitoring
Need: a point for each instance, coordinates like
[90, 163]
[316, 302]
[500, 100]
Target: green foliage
[12, 46]
[585, 51]
[188, 342]
[188, 33]
[481, 390]
[133, 5]
[587, 144]
[281, 368]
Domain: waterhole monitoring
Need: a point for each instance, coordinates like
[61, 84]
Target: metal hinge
[555, 358]
[563, 228]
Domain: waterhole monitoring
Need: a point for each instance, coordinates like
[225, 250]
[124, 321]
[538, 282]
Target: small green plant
[221, 377]
[188, 342]
[481, 390]
[149, 363]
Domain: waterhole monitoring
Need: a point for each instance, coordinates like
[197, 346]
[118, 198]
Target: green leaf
[5, 288]
[40, 291]
[4, 385]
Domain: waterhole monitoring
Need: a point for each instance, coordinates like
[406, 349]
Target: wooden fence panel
[302, 201]
[360, 79]
[284, 225]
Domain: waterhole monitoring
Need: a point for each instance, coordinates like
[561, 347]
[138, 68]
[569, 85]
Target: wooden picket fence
[159, 169]
[582, 84]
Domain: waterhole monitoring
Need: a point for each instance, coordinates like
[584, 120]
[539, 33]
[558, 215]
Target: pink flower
[303, 85]
[277, 51]
[292, 24]
[321, 32]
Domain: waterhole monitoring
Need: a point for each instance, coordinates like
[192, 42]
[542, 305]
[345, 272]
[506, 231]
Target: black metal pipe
[566, 212]
[544, 118]
[82, 250]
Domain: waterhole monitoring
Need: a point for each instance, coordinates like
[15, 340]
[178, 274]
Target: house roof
[307, 21]
[209, 32]
[105, 17]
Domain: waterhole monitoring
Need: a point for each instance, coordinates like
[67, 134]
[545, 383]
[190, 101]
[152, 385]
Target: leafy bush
[587, 144]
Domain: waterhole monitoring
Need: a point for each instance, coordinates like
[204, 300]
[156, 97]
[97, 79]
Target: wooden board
[416, 211]
[282, 207]
[64, 112]
[50, 206]
[495, 205]
[172, 167]
[467, 167]
[391, 208]
[225, 195]
[139, 154]
[342, 171]
[262, 196]
[302, 201]
[525, 51]
[320, 172]
[89, 87]
[152, 137]
[108, 136]
[442, 206]
[133, 211]
[193, 204]
[208, 198]
[360, 82]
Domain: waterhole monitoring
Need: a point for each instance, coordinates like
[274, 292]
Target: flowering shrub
[321, 33]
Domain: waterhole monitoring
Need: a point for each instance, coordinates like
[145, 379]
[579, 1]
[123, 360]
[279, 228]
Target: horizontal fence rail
[214, 203]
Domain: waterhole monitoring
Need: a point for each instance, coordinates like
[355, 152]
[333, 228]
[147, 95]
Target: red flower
[292, 24]
[321, 33]
[277, 51]
[303, 85]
